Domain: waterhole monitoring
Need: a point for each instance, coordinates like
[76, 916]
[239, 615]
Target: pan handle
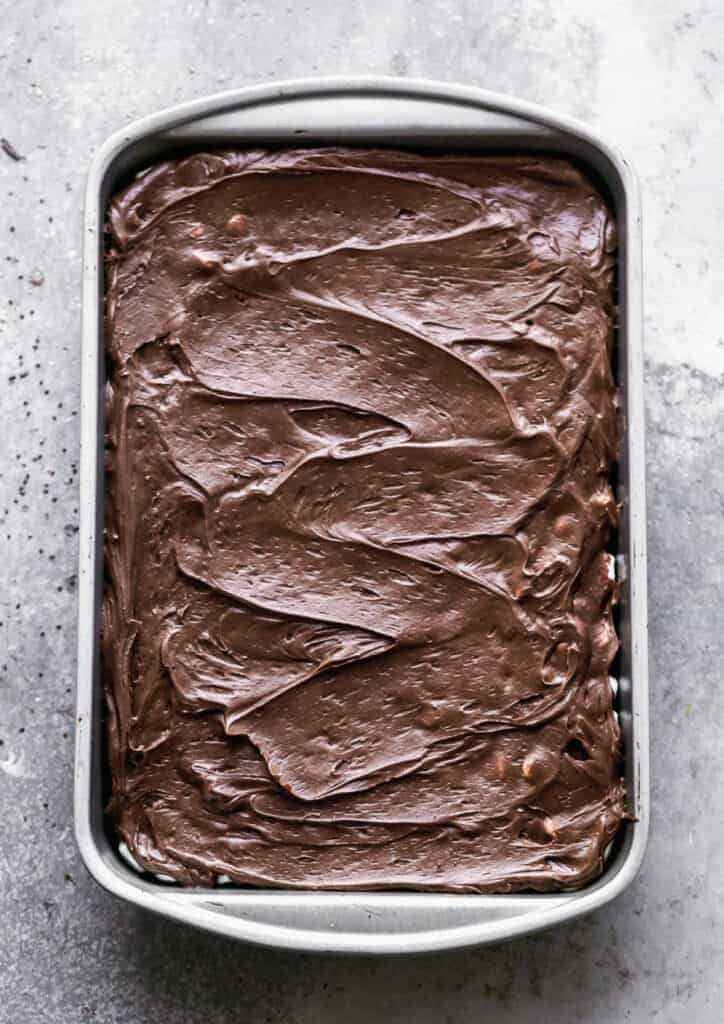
[349, 108]
[357, 110]
[380, 923]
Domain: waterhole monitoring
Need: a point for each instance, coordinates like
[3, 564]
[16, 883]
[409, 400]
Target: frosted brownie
[360, 433]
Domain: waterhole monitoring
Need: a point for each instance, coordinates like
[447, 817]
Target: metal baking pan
[383, 111]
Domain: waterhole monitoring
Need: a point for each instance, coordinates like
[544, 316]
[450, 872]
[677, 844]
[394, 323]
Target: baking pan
[382, 111]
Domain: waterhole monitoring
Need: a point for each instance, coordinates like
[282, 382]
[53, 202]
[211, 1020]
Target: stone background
[650, 73]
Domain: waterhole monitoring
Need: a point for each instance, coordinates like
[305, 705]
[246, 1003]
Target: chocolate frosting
[360, 429]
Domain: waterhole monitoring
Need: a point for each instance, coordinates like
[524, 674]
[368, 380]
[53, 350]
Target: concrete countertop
[650, 74]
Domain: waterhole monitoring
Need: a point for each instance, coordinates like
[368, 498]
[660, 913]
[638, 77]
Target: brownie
[357, 620]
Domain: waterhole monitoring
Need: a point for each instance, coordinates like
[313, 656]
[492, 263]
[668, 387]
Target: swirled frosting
[360, 431]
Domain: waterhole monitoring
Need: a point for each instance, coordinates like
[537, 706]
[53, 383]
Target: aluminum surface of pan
[389, 112]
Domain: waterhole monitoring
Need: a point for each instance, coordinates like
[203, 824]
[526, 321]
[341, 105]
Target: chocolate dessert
[357, 621]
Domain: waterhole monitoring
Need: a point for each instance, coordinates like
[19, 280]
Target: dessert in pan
[357, 621]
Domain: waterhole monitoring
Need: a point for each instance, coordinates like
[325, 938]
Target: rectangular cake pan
[402, 113]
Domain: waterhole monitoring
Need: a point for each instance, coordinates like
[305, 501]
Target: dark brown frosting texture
[360, 431]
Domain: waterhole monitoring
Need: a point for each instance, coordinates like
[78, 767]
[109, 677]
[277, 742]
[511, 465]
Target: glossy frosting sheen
[357, 618]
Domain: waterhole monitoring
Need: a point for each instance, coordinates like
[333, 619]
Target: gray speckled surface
[648, 72]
